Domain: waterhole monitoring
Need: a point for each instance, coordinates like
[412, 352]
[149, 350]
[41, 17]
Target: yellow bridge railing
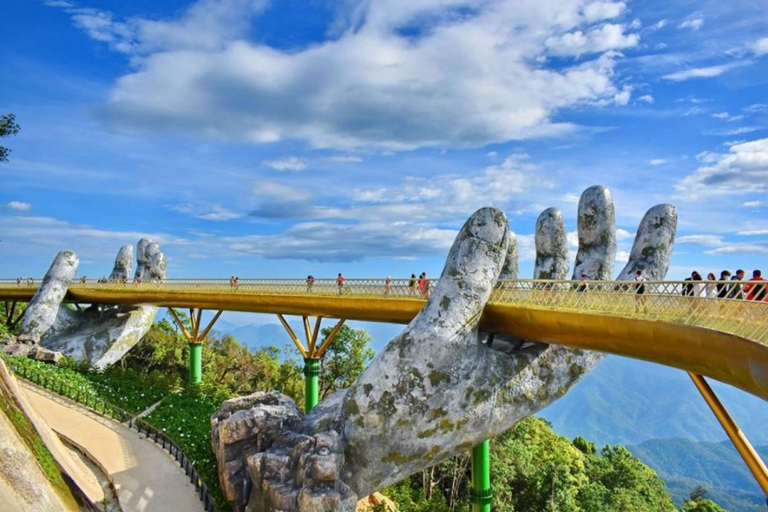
[737, 308]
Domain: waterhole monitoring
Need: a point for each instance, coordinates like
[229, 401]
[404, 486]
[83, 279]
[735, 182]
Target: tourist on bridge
[711, 287]
[583, 285]
[722, 288]
[412, 285]
[755, 288]
[340, 283]
[640, 291]
[736, 292]
[310, 283]
[388, 287]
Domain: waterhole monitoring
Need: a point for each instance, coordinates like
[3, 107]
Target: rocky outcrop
[437, 389]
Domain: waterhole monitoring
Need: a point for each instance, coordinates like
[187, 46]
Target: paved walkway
[146, 478]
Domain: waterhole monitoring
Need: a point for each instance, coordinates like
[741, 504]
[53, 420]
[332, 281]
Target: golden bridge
[722, 338]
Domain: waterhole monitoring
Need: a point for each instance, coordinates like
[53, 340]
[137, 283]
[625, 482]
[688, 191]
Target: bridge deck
[726, 339]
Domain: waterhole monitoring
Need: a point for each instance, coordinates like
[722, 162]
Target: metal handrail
[688, 303]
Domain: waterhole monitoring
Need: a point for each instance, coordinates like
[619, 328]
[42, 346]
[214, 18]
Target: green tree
[698, 502]
[8, 127]
[702, 505]
[345, 360]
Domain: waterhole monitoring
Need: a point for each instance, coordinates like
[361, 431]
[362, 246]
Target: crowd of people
[727, 286]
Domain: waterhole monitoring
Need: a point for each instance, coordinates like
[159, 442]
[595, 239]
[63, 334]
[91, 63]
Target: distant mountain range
[660, 416]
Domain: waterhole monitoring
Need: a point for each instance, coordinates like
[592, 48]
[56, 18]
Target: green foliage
[702, 505]
[8, 127]
[535, 470]
[345, 360]
[186, 418]
[128, 390]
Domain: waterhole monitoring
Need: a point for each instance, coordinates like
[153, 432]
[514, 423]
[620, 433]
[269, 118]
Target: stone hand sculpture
[437, 389]
[100, 334]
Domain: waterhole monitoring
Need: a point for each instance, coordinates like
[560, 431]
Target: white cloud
[623, 234]
[464, 81]
[707, 72]
[19, 206]
[756, 108]
[607, 37]
[280, 191]
[754, 232]
[760, 47]
[752, 204]
[290, 163]
[727, 117]
[693, 23]
[741, 130]
[658, 161]
[214, 212]
[598, 11]
[646, 98]
[743, 169]
[622, 256]
[705, 240]
[659, 25]
[344, 159]
[757, 248]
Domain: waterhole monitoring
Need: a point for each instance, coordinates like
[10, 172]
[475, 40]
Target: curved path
[146, 478]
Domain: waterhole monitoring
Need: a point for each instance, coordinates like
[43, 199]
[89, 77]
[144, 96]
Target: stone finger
[654, 242]
[44, 305]
[123, 262]
[511, 268]
[597, 235]
[551, 246]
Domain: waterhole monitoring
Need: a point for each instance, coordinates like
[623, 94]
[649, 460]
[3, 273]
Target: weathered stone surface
[551, 246]
[17, 350]
[511, 267]
[654, 243]
[44, 305]
[43, 354]
[122, 270]
[436, 389]
[597, 235]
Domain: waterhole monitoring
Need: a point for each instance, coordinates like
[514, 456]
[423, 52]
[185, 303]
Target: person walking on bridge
[340, 283]
[722, 288]
[640, 291]
[412, 285]
[736, 292]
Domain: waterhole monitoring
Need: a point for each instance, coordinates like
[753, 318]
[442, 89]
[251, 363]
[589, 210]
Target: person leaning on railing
[723, 288]
[755, 288]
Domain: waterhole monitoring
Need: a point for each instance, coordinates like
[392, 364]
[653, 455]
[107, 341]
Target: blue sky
[286, 138]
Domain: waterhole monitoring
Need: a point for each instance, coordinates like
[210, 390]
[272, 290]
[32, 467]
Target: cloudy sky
[282, 138]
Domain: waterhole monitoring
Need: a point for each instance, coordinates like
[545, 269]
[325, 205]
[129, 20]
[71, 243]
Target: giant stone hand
[437, 389]
[101, 334]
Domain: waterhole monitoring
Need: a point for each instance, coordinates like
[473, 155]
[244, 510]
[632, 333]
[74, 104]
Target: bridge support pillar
[481, 492]
[195, 363]
[312, 354]
[737, 437]
[195, 338]
[311, 383]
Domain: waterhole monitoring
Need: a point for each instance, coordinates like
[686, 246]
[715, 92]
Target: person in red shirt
[340, 283]
[755, 289]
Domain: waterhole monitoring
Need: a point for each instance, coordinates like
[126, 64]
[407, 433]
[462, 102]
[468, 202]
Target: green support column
[481, 492]
[311, 383]
[195, 363]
